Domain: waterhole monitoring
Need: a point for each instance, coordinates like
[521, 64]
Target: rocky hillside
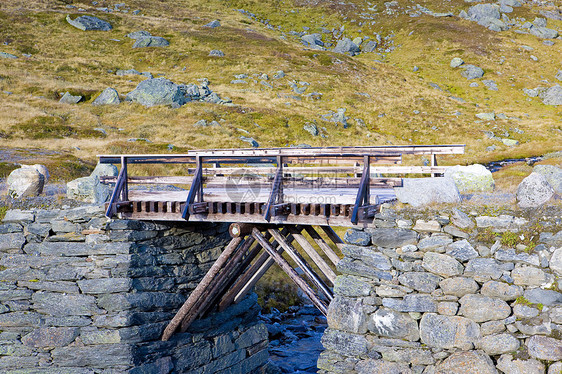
[80, 78]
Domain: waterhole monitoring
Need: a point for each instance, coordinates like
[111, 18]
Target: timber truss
[251, 252]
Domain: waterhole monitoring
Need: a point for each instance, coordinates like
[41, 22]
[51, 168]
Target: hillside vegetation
[405, 92]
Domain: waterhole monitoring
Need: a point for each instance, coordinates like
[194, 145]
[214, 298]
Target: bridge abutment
[84, 294]
[447, 292]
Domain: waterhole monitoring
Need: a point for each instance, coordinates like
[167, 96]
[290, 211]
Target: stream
[294, 338]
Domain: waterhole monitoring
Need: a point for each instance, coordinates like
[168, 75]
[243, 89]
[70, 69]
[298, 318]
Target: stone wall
[82, 294]
[448, 292]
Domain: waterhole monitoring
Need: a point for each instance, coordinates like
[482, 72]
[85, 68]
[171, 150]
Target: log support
[251, 252]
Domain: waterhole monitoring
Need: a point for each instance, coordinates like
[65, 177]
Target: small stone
[472, 72]
[462, 250]
[447, 308]
[109, 96]
[87, 23]
[347, 314]
[213, 24]
[150, 41]
[427, 226]
[357, 237]
[474, 362]
[501, 290]
[499, 344]
[458, 286]
[456, 62]
[509, 366]
[530, 276]
[67, 98]
[420, 281]
[216, 53]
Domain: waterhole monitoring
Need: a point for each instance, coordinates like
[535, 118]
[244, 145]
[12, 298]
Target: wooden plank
[194, 190]
[272, 152]
[249, 279]
[297, 258]
[290, 272]
[322, 244]
[362, 193]
[276, 189]
[311, 252]
[117, 192]
[333, 236]
[196, 294]
[231, 271]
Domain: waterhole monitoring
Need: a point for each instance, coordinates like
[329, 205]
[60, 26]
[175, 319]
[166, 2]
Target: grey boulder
[88, 23]
[472, 72]
[534, 191]
[216, 53]
[138, 34]
[552, 174]
[151, 41]
[552, 96]
[471, 178]
[346, 46]
[7, 55]
[213, 24]
[313, 41]
[424, 191]
[543, 32]
[109, 96]
[67, 98]
[89, 189]
[158, 91]
[26, 181]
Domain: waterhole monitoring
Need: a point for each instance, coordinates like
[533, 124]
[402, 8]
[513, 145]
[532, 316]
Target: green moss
[50, 127]
[3, 210]
[2, 268]
[509, 238]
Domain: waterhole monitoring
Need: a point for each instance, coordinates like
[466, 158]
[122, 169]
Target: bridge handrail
[282, 157]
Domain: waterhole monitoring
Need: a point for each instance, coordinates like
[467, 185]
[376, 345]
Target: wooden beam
[297, 258]
[322, 244]
[333, 236]
[195, 189]
[276, 190]
[254, 273]
[311, 252]
[290, 271]
[362, 192]
[201, 287]
[118, 190]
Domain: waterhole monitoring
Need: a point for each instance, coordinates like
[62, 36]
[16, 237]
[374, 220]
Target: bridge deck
[341, 186]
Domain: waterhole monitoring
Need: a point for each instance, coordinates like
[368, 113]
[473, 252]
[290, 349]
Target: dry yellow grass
[66, 59]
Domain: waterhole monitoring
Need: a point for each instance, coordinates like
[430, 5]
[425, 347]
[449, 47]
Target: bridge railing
[235, 175]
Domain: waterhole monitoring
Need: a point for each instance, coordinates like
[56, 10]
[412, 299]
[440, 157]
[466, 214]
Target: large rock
[472, 178]
[151, 41]
[545, 348]
[391, 324]
[8, 55]
[474, 362]
[371, 366]
[313, 41]
[109, 96]
[534, 191]
[552, 174]
[344, 343]
[68, 98]
[393, 238]
[89, 189]
[347, 46]
[448, 332]
[543, 32]
[499, 344]
[442, 265]
[458, 286]
[481, 12]
[420, 281]
[483, 269]
[25, 182]
[501, 290]
[556, 261]
[158, 91]
[425, 191]
[552, 96]
[87, 23]
[347, 314]
[480, 308]
[462, 250]
[472, 72]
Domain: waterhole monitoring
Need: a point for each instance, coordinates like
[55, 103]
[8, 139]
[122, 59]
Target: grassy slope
[67, 59]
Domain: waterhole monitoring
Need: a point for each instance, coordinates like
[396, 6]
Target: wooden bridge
[274, 198]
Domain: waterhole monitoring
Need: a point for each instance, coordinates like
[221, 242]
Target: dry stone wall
[83, 294]
[448, 292]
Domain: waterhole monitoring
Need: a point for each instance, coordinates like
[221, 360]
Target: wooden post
[314, 278]
[333, 236]
[322, 244]
[290, 271]
[198, 291]
[238, 229]
[311, 252]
